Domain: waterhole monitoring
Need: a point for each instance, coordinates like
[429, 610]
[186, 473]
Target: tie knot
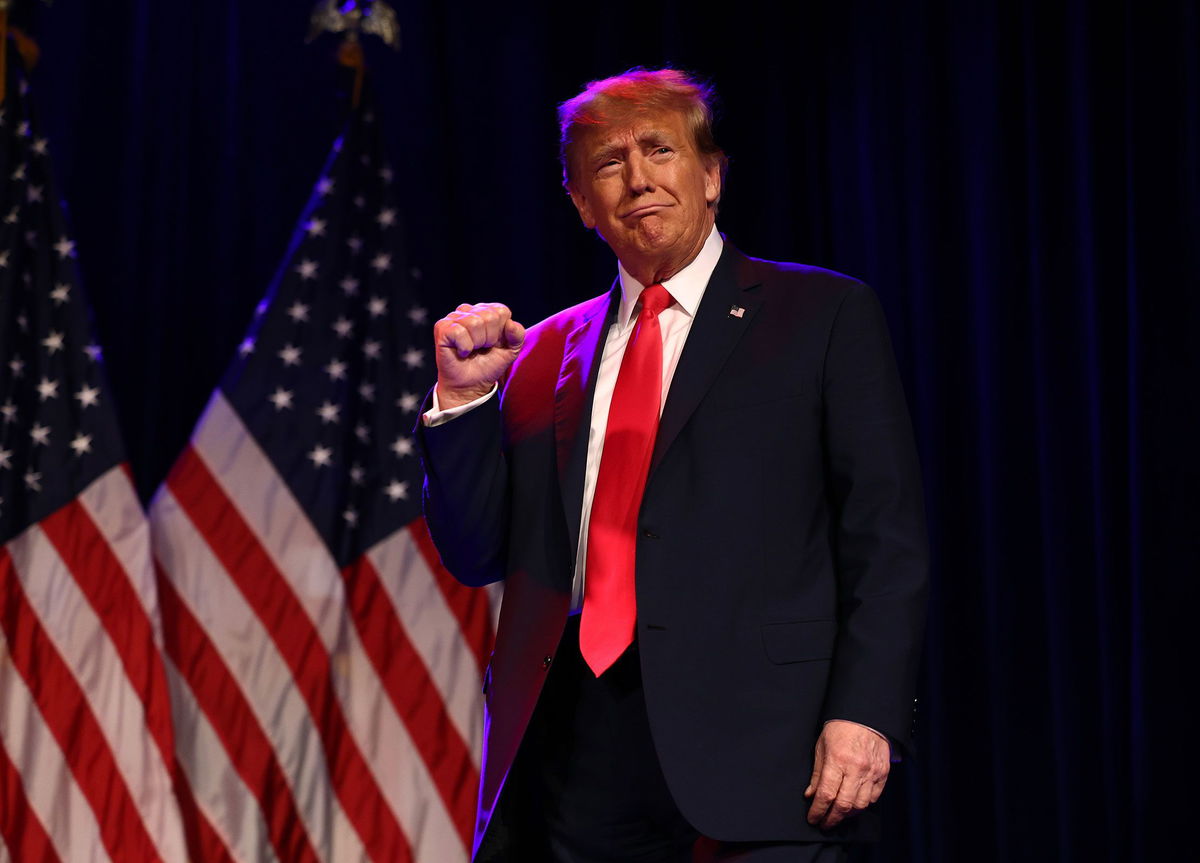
[655, 298]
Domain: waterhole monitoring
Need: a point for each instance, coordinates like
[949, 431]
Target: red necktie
[609, 603]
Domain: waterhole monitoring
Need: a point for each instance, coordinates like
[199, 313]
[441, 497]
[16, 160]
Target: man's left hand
[850, 768]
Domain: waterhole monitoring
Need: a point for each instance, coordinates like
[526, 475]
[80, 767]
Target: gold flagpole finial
[353, 17]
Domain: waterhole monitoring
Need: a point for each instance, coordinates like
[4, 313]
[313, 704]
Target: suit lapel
[718, 326]
[573, 393]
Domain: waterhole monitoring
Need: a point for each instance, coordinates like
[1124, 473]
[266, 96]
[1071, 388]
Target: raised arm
[466, 478]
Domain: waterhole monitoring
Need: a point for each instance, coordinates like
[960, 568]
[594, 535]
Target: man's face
[646, 190]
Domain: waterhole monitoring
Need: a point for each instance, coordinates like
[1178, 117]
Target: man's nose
[640, 173]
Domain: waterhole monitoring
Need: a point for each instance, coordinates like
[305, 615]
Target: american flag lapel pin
[736, 311]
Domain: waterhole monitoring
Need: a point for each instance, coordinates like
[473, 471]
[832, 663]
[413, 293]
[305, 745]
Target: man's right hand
[474, 346]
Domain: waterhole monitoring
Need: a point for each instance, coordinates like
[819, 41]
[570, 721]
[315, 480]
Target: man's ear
[582, 206]
[712, 182]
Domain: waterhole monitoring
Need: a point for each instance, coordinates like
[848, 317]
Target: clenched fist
[474, 346]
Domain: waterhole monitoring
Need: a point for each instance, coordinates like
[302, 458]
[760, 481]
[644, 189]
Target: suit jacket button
[546, 660]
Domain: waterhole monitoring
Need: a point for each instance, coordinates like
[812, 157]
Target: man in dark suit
[701, 491]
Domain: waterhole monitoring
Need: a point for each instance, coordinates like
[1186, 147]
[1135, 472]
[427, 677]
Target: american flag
[325, 669]
[86, 765]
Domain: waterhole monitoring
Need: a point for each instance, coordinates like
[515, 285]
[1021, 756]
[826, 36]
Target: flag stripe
[50, 787]
[470, 605]
[273, 599]
[22, 831]
[221, 701]
[104, 581]
[70, 719]
[420, 607]
[218, 792]
[203, 841]
[55, 589]
[414, 695]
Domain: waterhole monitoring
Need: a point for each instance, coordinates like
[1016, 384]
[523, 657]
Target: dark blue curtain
[1020, 181]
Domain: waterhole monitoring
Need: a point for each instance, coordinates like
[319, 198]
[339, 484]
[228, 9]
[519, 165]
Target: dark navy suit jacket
[781, 559]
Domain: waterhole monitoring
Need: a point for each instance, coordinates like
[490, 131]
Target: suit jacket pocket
[799, 640]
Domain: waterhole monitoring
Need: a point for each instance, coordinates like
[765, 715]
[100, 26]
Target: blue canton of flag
[335, 366]
[58, 431]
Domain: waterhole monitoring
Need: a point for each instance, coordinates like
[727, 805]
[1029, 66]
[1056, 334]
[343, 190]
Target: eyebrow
[650, 137]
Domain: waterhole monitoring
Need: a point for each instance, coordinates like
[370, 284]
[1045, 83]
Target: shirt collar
[686, 287]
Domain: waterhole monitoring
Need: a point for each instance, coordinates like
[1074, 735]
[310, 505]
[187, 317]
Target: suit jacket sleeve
[466, 492]
[880, 547]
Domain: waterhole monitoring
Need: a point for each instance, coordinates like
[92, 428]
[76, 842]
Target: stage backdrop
[1020, 182]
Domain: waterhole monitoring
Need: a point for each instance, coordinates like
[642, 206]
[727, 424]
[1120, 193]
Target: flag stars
[65, 248]
[11, 218]
[33, 480]
[307, 269]
[39, 146]
[371, 349]
[376, 306]
[360, 201]
[290, 355]
[246, 347]
[329, 413]
[386, 217]
[4, 259]
[408, 402]
[336, 369]
[362, 432]
[88, 396]
[321, 456]
[350, 516]
[33, 195]
[382, 262]
[281, 398]
[23, 128]
[59, 294]
[386, 173]
[315, 227]
[418, 314]
[357, 474]
[349, 286]
[8, 410]
[402, 446]
[19, 173]
[40, 434]
[47, 389]
[413, 358]
[366, 391]
[82, 443]
[354, 241]
[343, 328]
[5, 458]
[298, 312]
[324, 186]
[53, 342]
[396, 490]
[94, 352]
[17, 365]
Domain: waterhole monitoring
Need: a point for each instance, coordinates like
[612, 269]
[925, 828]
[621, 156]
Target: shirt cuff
[435, 416]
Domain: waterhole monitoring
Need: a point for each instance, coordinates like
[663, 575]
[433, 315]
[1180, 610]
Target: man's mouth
[644, 210]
